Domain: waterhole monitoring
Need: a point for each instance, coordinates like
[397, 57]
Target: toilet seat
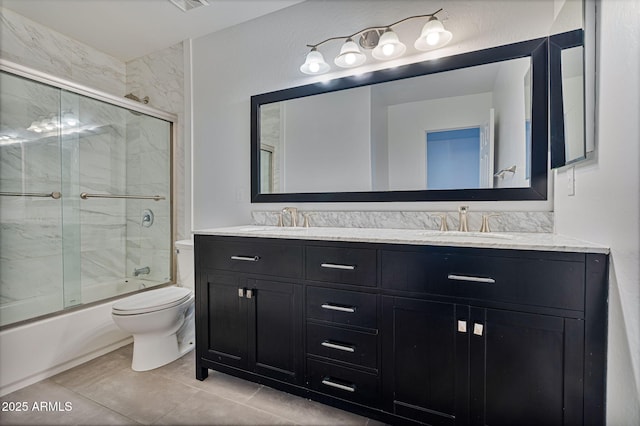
[151, 301]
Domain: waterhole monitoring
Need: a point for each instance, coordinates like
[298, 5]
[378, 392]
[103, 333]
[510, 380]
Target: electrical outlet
[571, 181]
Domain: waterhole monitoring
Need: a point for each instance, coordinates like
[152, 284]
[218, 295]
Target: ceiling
[129, 29]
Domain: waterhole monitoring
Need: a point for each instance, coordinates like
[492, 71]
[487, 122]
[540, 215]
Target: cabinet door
[425, 360]
[226, 324]
[275, 329]
[525, 368]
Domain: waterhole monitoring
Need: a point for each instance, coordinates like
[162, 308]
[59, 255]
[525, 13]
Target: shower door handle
[55, 194]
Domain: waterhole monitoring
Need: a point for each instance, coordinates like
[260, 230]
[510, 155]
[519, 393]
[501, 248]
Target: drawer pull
[246, 258]
[471, 279]
[337, 266]
[328, 344]
[348, 388]
[337, 308]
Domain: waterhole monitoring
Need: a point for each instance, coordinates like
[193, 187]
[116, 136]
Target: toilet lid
[151, 301]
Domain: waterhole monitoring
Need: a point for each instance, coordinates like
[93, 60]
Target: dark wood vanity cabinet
[247, 321]
[406, 333]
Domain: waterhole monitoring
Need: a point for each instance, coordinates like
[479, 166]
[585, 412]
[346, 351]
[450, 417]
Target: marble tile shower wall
[160, 75]
[148, 158]
[30, 44]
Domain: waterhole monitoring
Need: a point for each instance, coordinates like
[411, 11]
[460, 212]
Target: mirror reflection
[573, 102]
[468, 128]
[567, 98]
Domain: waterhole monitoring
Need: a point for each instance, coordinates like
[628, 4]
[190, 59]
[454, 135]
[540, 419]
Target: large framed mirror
[567, 98]
[468, 127]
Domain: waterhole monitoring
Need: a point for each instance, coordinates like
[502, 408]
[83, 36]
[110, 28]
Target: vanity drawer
[342, 265]
[256, 257]
[355, 347]
[343, 382]
[523, 279]
[342, 307]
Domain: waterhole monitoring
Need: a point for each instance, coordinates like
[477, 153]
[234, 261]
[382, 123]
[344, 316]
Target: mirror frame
[557, 43]
[537, 49]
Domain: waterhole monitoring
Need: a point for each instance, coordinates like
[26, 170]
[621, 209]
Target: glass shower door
[86, 203]
[31, 237]
[118, 162]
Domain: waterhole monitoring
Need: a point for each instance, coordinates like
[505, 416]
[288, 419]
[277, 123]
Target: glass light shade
[314, 64]
[389, 46]
[433, 36]
[350, 55]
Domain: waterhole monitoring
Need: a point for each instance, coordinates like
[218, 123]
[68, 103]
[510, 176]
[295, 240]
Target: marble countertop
[496, 240]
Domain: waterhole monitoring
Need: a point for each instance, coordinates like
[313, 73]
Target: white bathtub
[32, 352]
[33, 307]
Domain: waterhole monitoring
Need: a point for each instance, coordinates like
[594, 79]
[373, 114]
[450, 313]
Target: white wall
[606, 205]
[510, 106]
[320, 153]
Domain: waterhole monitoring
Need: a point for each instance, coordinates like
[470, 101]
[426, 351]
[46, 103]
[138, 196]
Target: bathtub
[33, 307]
[40, 349]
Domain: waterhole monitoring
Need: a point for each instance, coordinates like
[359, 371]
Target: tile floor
[105, 391]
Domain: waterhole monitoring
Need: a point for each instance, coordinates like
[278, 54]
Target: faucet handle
[280, 220]
[306, 222]
[485, 222]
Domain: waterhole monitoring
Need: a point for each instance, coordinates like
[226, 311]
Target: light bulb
[314, 64]
[389, 47]
[350, 58]
[433, 39]
[433, 36]
[350, 55]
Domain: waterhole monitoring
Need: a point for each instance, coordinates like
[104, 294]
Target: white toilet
[161, 320]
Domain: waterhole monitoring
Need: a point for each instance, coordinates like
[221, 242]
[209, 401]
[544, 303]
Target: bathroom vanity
[409, 326]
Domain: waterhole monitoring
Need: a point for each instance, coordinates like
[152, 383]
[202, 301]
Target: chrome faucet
[464, 224]
[139, 271]
[293, 212]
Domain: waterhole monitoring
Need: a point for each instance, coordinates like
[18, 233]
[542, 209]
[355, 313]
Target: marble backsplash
[502, 222]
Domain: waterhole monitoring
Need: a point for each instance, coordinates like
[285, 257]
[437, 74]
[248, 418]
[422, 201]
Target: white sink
[458, 235]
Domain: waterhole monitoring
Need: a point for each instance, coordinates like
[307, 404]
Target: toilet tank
[184, 255]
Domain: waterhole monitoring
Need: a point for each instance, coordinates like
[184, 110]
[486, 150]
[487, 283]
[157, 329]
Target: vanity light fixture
[382, 41]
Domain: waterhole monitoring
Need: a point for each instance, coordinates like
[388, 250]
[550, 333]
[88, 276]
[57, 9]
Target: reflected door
[453, 159]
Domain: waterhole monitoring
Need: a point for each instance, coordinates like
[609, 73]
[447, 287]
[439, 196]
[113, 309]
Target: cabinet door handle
[471, 279]
[462, 326]
[246, 258]
[337, 308]
[348, 388]
[241, 292]
[478, 329]
[249, 293]
[328, 344]
[337, 266]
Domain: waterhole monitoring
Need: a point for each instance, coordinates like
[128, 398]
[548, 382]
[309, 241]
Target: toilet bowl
[161, 320]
